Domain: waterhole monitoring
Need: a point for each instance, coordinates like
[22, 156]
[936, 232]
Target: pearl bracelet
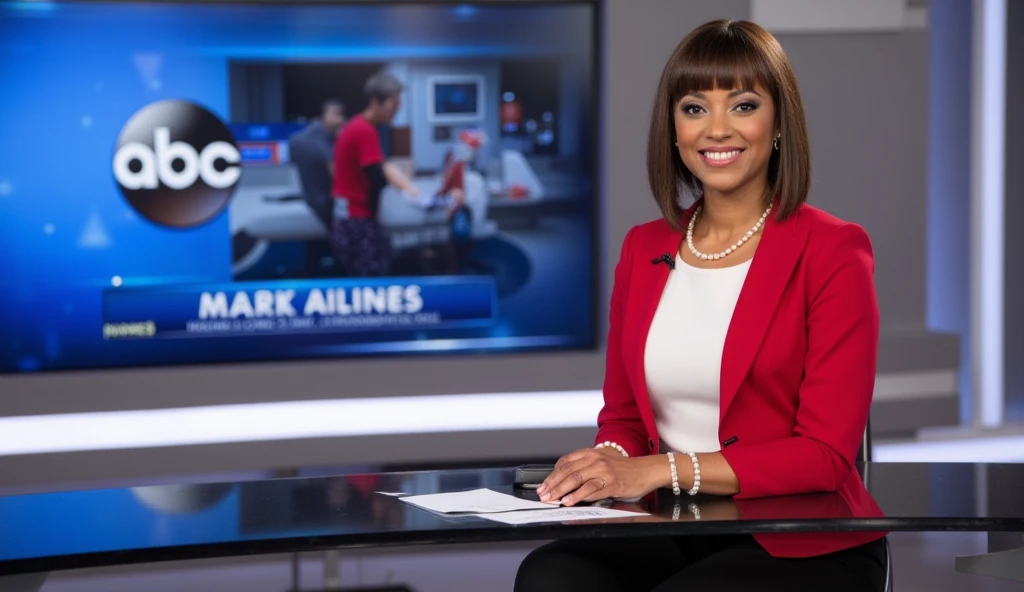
[607, 443]
[696, 474]
[675, 475]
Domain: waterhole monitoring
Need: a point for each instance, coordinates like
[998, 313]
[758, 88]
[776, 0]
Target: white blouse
[683, 355]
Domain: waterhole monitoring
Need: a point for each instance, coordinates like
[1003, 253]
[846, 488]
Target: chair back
[864, 456]
[864, 453]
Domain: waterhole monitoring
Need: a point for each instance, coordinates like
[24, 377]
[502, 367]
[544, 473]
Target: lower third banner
[343, 305]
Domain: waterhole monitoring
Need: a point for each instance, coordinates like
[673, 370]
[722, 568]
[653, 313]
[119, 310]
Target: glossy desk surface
[67, 530]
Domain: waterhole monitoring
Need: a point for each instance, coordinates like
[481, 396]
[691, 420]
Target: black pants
[361, 247]
[695, 564]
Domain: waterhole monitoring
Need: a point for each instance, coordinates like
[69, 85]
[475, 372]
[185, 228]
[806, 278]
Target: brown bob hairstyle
[727, 55]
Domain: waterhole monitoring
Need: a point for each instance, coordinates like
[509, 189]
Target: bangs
[720, 60]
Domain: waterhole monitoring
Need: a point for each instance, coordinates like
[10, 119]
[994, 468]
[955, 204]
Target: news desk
[42, 533]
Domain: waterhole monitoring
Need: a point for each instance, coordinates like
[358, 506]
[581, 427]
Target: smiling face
[725, 92]
[724, 138]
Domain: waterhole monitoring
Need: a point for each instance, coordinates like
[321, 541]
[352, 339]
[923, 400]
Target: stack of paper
[508, 509]
[559, 515]
[477, 501]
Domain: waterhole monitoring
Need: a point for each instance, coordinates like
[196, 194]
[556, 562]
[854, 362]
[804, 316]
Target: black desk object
[47, 532]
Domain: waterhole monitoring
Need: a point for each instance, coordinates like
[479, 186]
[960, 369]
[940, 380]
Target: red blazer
[798, 368]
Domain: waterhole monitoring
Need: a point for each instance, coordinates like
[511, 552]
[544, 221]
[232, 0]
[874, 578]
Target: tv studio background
[912, 121]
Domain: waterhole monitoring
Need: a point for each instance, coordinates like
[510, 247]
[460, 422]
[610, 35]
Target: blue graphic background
[73, 74]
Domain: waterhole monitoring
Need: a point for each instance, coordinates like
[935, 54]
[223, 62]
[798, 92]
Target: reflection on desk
[54, 531]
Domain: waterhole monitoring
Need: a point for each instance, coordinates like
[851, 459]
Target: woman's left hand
[593, 474]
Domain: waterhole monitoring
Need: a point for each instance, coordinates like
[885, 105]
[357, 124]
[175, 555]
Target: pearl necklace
[730, 250]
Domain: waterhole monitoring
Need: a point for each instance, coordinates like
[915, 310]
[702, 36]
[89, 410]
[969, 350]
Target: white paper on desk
[477, 501]
[560, 515]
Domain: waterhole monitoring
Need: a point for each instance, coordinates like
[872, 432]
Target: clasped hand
[592, 474]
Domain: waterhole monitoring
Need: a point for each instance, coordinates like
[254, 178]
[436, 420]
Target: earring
[775, 142]
[675, 144]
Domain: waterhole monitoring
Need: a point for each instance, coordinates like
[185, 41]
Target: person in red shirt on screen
[360, 245]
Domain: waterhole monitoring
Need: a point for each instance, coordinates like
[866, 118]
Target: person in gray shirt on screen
[312, 151]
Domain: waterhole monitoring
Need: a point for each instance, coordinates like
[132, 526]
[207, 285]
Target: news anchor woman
[742, 342]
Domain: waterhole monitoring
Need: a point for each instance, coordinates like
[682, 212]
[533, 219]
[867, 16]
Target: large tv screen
[165, 166]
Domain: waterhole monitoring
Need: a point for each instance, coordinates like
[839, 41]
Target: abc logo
[176, 164]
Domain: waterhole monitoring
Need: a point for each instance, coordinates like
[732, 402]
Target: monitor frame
[241, 382]
[478, 114]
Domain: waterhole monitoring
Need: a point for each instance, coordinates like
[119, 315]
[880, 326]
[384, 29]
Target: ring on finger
[603, 483]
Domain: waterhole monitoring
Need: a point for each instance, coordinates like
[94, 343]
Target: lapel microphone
[667, 259]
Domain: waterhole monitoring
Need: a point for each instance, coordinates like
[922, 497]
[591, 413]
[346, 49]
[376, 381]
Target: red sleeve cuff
[768, 469]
